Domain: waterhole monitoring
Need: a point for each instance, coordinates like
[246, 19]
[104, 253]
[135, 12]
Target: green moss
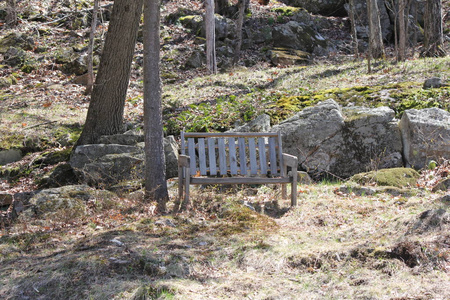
[11, 140]
[287, 11]
[238, 218]
[395, 177]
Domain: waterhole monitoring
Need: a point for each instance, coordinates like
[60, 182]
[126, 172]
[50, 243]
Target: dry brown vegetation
[337, 244]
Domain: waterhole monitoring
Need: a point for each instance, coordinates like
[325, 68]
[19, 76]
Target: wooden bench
[234, 158]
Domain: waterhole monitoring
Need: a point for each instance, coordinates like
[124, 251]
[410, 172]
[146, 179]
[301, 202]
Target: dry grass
[333, 246]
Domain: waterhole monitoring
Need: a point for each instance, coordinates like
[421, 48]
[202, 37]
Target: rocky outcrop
[67, 201]
[425, 136]
[9, 156]
[298, 36]
[109, 164]
[342, 142]
[322, 7]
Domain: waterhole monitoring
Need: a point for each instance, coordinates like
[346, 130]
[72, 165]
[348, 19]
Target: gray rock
[15, 57]
[342, 142]
[298, 36]
[320, 7]
[9, 156]
[260, 124]
[18, 40]
[122, 139]
[109, 164]
[425, 136]
[434, 82]
[89, 153]
[67, 201]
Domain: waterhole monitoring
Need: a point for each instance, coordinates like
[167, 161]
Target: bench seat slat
[273, 156]
[202, 156]
[212, 156]
[191, 152]
[242, 156]
[252, 154]
[262, 155]
[222, 157]
[232, 155]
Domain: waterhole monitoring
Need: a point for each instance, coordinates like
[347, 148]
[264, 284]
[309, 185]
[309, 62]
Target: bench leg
[294, 189]
[180, 190]
[186, 204]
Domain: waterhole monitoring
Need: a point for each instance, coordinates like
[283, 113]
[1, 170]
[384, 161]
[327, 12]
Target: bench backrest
[235, 153]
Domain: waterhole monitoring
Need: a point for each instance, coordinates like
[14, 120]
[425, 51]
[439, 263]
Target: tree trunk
[90, 62]
[210, 25]
[239, 25]
[375, 38]
[105, 113]
[433, 30]
[11, 13]
[155, 167]
[351, 10]
[401, 30]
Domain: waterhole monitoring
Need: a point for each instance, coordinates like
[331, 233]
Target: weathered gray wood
[191, 151]
[222, 157]
[262, 155]
[255, 159]
[252, 154]
[239, 180]
[212, 156]
[229, 134]
[232, 155]
[202, 156]
[183, 144]
[273, 156]
[242, 156]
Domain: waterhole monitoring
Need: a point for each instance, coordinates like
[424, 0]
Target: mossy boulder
[67, 202]
[299, 36]
[395, 177]
[330, 140]
[286, 57]
[17, 40]
[6, 82]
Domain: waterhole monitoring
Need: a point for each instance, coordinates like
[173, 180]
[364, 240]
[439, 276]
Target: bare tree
[351, 12]
[210, 25]
[376, 47]
[105, 113]
[90, 62]
[155, 170]
[433, 30]
[401, 54]
[240, 24]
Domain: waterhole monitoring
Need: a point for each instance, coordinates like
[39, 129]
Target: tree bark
[239, 25]
[90, 62]
[105, 113]
[210, 25]
[155, 167]
[351, 10]
[375, 38]
[401, 30]
[433, 30]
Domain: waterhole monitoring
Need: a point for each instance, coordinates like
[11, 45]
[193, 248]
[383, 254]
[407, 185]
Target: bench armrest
[184, 161]
[290, 160]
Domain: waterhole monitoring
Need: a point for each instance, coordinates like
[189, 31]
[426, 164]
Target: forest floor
[334, 245]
